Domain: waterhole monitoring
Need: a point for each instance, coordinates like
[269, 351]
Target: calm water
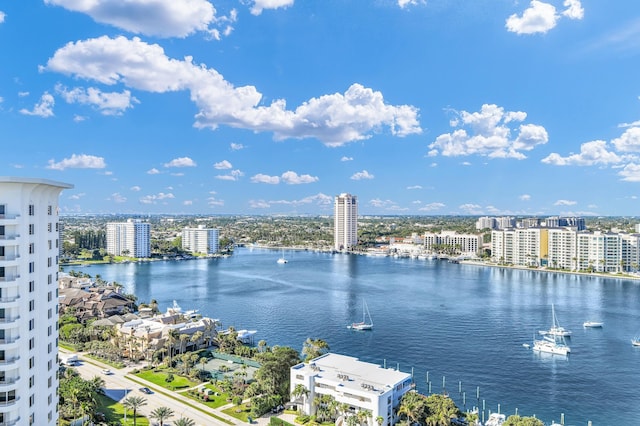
[461, 322]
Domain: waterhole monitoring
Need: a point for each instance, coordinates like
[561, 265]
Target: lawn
[158, 377]
[240, 412]
[114, 412]
[214, 401]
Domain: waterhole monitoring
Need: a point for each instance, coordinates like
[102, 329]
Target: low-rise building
[362, 385]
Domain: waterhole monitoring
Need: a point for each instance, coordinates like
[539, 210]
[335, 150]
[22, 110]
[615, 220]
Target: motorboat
[556, 330]
[495, 419]
[592, 324]
[551, 345]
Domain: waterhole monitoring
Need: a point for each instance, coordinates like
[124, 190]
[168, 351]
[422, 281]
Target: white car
[107, 372]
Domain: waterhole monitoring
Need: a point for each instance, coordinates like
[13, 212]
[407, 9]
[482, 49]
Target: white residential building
[468, 244]
[345, 222]
[200, 240]
[522, 247]
[130, 238]
[486, 222]
[28, 300]
[361, 385]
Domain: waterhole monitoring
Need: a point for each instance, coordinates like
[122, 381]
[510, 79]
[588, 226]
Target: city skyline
[276, 106]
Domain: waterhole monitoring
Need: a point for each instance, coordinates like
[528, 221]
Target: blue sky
[483, 107]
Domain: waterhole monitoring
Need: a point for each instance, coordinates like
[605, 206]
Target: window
[49, 210]
[49, 348]
[49, 365]
[32, 381]
[49, 296]
[3, 209]
[32, 400]
[32, 267]
[49, 226]
[32, 209]
[32, 286]
[57, 227]
[32, 305]
[49, 382]
[49, 242]
[49, 279]
[32, 362]
[32, 343]
[32, 248]
[49, 262]
[31, 324]
[49, 331]
[32, 229]
[49, 313]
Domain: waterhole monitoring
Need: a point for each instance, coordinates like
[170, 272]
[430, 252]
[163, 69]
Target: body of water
[463, 325]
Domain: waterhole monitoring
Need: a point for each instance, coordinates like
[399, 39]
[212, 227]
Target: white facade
[132, 238]
[345, 222]
[361, 385]
[200, 240]
[486, 222]
[463, 243]
[28, 300]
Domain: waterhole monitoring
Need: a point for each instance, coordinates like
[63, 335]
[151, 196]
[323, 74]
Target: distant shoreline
[559, 271]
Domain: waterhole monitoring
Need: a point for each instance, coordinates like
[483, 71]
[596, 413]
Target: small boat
[363, 325]
[526, 345]
[282, 260]
[555, 330]
[592, 324]
[635, 341]
[495, 419]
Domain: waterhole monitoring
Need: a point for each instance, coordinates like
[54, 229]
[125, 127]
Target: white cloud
[259, 204]
[539, 17]
[42, 109]
[107, 103]
[153, 199]
[362, 175]
[431, 207]
[223, 165]
[471, 208]
[565, 203]
[630, 173]
[233, 175]
[153, 171]
[292, 178]
[488, 135]
[632, 124]
[23, 94]
[79, 118]
[574, 9]
[187, 203]
[77, 196]
[261, 178]
[414, 187]
[81, 161]
[2, 16]
[117, 198]
[525, 197]
[260, 5]
[334, 119]
[162, 18]
[591, 153]
[629, 141]
[386, 204]
[181, 162]
[346, 158]
[135, 188]
[465, 163]
[405, 3]
[236, 146]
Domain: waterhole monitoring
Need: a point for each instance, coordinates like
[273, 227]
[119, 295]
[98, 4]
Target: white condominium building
[522, 247]
[461, 243]
[200, 240]
[360, 385]
[28, 300]
[345, 222]
[130, 238]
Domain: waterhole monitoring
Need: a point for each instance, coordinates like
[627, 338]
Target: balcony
[9, 343]
[9, 219]
[8, 361]
[10, 402]
[9, 278]
[10, 422]
[9, 260]
[7, 302]
[8, 384]
[9, 320]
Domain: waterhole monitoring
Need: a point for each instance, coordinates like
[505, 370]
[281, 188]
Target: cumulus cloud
[334, 119]
[470, 208]
[153, 171]
[320, 199]
[161, 18]
[406, 3]
[107, 103]
[262, 178]
[78, 161]
[223, 165]
[232, 176]
[565, 203]
[431, 207]
[181, 162]
[414, 187]
[591, 153]
[629, 141]
[525, 197]
[44, 108]
[386, 205]
[630, 172]
[116, 197]
[77, 196]
[292, 178]
[362, 175]
[2, 16]
[540, 17]
[486, 133]
[153, 199]
[260, 5]
[135, 188]
[345, 158]
[236, 146]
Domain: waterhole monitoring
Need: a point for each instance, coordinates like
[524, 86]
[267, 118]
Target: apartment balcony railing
[9, 320]
[10, 422]
[9, 402]
[9, 361]
[9, 299]
[9, 237]
[9, 278]
[9, 340]
[10, 257]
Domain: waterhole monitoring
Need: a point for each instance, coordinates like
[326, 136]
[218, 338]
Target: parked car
[146, 390]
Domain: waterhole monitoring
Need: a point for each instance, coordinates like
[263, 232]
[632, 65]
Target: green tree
[522, 421]
[161, 414]
[313, 348]
[184, 421]
[134, 403]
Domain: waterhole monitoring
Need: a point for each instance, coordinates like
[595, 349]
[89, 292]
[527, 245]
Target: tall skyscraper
[345, 222]
[130, 238]
[200, 240]
[28, 300]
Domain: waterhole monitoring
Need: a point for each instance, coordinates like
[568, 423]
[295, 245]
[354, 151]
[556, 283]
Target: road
[119, 387]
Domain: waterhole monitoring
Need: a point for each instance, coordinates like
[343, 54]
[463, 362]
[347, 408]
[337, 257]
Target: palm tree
[133, 403]
[380, 420]
[184, 421]
[161, 414]
[313, 348]
[299, 391]
[172, 338]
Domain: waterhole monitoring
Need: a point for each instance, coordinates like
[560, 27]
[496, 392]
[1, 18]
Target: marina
[434, 319]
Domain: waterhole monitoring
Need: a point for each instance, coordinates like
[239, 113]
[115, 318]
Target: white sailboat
[551, 345]
[555, 330]
[363, 325]
[282, 259]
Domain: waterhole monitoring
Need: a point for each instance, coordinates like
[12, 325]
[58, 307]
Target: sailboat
[555, 330]
[635, 341]
[282, 259]
[363, 325]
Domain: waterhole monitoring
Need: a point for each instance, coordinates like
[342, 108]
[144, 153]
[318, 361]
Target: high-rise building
[28, 300]
[200, 240]
[345, 222]
[130, 238]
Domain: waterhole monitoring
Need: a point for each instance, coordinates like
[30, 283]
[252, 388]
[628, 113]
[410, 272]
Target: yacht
[592, 324]
[495, 419]
[556, 330]
[551, 345]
